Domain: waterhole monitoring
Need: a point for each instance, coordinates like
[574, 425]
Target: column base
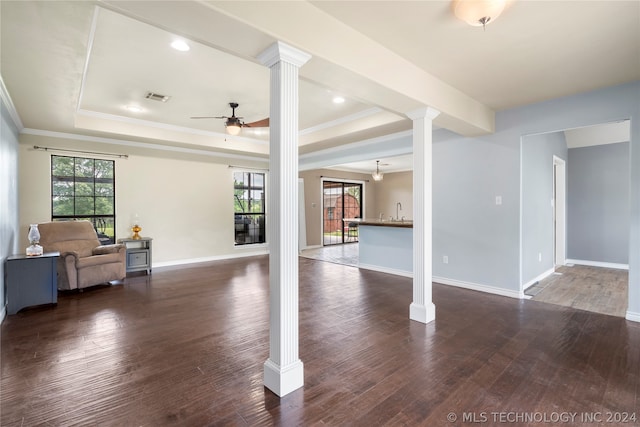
[283, 380]
[422, 313]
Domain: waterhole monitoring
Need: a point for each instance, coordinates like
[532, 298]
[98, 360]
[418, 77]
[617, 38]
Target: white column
[422, 308]
[283, 370]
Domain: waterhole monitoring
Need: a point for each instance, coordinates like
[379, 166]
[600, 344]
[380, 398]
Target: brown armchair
[83, 261]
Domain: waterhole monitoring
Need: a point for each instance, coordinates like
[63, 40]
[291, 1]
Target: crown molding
[165, 126]
[342, 120]
[362, 150]
[144, 145]
[8, 102]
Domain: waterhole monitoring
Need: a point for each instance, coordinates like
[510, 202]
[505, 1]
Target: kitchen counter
[407, 223]
[385, 245]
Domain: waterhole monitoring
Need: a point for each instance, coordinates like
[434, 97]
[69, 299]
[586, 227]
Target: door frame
[324, 179]
[559, 211]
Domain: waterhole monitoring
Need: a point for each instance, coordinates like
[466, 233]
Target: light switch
[498, 200]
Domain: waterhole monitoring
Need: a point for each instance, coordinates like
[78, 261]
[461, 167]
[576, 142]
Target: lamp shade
[233, 129]
[478, 12]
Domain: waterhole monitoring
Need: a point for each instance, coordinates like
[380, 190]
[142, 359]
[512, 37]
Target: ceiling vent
[157, 97]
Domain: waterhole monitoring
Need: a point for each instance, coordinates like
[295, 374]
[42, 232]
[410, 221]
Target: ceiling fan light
[233, 129]
[478, 13]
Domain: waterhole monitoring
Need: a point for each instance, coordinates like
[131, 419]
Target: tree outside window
[84, 189]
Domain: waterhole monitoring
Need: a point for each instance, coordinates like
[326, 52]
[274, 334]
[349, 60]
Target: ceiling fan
[234, 124]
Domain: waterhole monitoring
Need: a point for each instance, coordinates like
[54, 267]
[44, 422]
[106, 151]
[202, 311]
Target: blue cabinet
[31, 281]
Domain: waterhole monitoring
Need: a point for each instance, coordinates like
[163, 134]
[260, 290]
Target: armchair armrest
[70, 256]
[67, 268]
[108, 249]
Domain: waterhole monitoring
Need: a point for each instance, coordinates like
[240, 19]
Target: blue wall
[8, 193]
[481, 238]
[598, 203]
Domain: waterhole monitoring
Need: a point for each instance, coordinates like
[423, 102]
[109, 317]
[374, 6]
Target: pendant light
[377, 175]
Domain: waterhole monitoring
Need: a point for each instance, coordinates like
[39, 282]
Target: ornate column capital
[423, 113]
[283, 52]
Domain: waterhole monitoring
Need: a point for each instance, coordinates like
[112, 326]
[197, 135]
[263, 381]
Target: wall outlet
[498, 200]
[539, 256]
[445, 259]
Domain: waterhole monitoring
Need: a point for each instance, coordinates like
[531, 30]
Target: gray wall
[8, 194]
[598, 203]
[537, 193]
[481, 239]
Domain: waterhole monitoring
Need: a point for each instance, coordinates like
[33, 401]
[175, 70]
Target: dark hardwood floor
[186, 347]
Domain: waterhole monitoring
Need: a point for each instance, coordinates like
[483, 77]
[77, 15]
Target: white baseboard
[598, 264]
[633, 316]
[210, 258]
[537, 279]
[311, 247]
[385, 270]
[478, 287]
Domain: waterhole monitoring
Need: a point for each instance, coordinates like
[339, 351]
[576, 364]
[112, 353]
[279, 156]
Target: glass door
[341, 201]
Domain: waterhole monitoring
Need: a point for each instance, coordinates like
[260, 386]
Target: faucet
[398, 207]
[381, 214]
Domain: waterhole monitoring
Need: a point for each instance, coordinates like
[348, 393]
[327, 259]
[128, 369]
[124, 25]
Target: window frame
[94, 217]
[254, 226]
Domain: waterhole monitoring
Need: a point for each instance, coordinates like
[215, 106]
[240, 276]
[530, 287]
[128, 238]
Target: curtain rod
[120, 156]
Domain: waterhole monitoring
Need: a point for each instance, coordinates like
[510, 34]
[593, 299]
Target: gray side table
[138, 254]
[31, 281]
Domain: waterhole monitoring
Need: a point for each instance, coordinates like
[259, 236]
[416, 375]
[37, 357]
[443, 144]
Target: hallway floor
[346, 254]
[596, 289]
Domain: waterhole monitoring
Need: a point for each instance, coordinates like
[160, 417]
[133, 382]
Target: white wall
[184, 202]
[9, 243]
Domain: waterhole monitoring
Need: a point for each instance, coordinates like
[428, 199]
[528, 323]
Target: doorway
[577, 253]
[340, 200]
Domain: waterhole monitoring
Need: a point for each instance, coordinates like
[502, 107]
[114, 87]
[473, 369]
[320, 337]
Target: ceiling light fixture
[233, 126]
[377, 175]
[338, 100]
[133, 108]
[478, 12]
[180, 45]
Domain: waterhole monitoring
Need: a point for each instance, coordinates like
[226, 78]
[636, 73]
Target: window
[84, 189]
[248, 207]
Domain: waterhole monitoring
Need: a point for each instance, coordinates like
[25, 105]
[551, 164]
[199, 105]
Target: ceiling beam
[343, 59]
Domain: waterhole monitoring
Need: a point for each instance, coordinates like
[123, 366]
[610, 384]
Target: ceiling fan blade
[264, 123]
[211, 117]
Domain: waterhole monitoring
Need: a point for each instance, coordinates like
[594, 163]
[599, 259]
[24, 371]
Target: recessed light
[180, 45]
[133, 108]
[338, 100]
